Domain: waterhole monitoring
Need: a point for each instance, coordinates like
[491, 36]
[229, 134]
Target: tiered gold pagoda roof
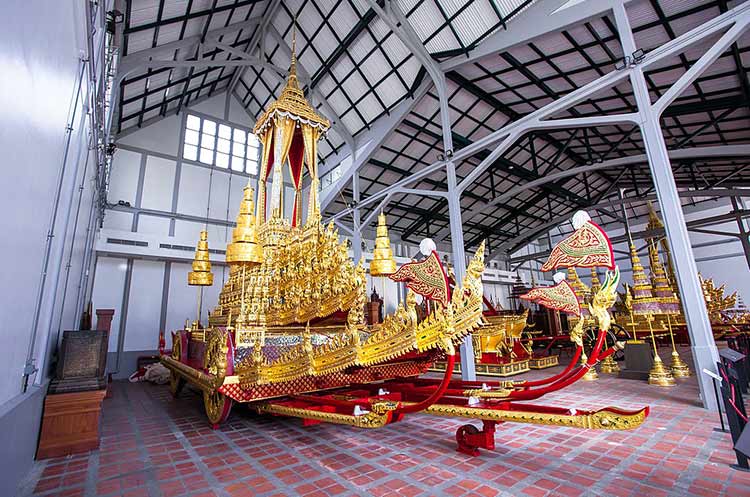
[292, 104]
[643, 292]
[382, 263]
[201, 274]
[245, 246]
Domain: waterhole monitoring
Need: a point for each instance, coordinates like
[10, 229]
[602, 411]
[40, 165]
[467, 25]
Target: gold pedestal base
[502, 370]
[678, 367]
[659, 374]
[609, 366]
[543, 362]
[591, 374]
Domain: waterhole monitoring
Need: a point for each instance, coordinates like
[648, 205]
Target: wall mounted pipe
[69, 263]
[30, 367]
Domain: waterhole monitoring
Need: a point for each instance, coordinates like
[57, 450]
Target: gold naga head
[476, 266]
[605, 298]
[607, 294]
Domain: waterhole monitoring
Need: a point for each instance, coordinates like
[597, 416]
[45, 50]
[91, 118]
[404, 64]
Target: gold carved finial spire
[293, 66]
[382, 263]
[245, 247]
[201, 274]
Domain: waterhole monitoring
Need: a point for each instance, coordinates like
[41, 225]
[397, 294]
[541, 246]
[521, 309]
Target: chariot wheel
[176, 382]
[616, 333]
[218, 406]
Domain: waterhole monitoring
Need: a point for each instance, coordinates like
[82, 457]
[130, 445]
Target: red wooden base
[70, 424]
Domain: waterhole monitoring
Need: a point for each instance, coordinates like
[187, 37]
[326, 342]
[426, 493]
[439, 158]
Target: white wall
[40, 47]
[169, 198]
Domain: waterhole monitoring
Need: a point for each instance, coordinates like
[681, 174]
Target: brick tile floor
[154, 446]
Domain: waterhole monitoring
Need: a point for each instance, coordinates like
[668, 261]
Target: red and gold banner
[560, 297]
[427, 278]
[588, 246]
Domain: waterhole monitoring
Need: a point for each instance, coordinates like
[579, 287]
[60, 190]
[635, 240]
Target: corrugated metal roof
[363, 71]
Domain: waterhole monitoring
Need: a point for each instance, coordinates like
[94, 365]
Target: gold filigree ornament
[174, 378]
[215, 358]
[376, 418]
[397, 335]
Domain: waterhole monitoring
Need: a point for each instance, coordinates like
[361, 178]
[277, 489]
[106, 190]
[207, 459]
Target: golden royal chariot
[288, 335]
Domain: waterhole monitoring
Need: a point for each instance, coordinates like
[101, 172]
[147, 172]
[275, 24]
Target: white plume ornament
[580, 218]
[426, 246]
[558, 277]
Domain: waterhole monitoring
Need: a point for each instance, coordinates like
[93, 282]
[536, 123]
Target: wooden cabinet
[70, 424]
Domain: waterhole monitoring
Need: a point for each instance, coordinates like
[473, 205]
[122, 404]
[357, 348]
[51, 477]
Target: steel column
[737, 206]
[357, 231]
[705, 354]
[468, 371]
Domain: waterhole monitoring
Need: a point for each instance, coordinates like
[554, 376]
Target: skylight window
[220, 145]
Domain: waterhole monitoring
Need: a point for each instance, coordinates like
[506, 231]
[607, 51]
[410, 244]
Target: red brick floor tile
[107, 487]
[535, 491]
[152, 443]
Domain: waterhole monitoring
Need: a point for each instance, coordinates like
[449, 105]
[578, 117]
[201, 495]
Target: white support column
[468, 371]
[357, 231]
[703, 346]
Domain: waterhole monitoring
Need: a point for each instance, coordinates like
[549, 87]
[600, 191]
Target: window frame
[233, 127]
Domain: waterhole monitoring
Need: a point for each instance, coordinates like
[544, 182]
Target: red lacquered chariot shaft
[564, 382]
[435, 396]
[558, 376]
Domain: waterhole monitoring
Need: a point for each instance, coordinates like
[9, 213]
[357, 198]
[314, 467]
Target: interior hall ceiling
[356, 71]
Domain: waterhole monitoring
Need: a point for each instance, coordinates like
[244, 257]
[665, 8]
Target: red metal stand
[470, 439]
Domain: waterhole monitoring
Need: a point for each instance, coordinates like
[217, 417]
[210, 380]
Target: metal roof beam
[367, 143]
[622, 162]
[400, 26]
[257, 39]
[542, 17]
[188, 42]
[342, 47]
[510, 246]
[692, 225]
[189, 15]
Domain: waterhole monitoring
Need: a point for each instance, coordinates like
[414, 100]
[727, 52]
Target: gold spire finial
[201, 274]
[245, 246]
[382, 263]
[293, 67]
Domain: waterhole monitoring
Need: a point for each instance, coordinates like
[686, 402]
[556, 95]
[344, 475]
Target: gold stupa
[284, 272]
[382, 263]
[245, 247]
[201, 274]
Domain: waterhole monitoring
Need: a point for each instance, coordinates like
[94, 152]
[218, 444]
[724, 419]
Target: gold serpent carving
[376, 418]
[215, 358]
[604, 419]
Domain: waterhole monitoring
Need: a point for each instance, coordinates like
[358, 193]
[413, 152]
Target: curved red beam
[564, 382]
[558, 376]
[435, 396]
